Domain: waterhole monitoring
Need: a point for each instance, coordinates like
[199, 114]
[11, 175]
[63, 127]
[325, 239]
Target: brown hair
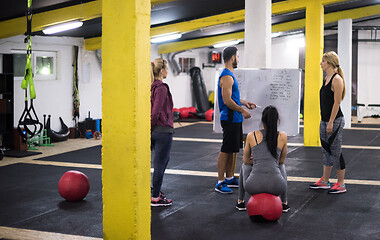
[156, 67]
[332, 59]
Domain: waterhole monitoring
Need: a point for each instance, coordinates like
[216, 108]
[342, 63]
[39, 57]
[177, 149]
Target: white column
[345, 58]
[257, 40]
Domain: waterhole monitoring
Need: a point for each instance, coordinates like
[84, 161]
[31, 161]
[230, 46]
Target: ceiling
[178, 11]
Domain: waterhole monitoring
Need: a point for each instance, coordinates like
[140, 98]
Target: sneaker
[160, 202]
[320, 184]
[161, 193]
[222, 188]
[232, 183]
[285, 208]
[241, 206]
[337, 188]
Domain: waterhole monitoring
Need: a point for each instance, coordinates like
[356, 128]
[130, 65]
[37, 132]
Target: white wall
[368, 70]
[284, 53]
[90, 86]
[54, 97]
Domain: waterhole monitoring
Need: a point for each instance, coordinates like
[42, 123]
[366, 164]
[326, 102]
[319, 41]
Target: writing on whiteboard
[278, 87]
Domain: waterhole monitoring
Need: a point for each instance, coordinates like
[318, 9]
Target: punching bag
[199, 90]
[60, 136]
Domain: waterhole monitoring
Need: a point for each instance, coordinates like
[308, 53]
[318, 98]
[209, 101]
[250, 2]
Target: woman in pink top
[161, 128]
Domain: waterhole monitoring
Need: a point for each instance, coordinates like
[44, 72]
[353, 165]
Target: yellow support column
[126, 119]
[313, 73]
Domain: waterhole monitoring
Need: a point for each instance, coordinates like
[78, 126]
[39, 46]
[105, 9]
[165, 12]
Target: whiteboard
[278, 87]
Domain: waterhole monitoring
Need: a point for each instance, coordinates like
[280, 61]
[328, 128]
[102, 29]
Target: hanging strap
[29, 119]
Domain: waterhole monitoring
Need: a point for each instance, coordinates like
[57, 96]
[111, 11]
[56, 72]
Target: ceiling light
[62, 27]
[164, 38]
[226, 44]
[275, 34]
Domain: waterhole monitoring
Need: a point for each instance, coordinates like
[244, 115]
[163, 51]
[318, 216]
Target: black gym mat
[29, 199]
[199, 130]
[198, 212]
[91, 155]
[20, 154]
[364, 125]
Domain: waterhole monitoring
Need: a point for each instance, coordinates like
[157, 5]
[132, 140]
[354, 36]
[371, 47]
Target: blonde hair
[332, 59]
[156, 66]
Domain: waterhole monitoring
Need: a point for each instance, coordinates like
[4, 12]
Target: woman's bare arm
[284, 150]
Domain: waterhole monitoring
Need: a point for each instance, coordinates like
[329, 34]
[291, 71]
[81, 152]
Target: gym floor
[31, 208]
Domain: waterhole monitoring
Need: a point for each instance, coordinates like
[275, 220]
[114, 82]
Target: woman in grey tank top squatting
[332, 122]
[263, 169]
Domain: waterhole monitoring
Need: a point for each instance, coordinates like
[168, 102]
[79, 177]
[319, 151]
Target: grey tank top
[263, 161]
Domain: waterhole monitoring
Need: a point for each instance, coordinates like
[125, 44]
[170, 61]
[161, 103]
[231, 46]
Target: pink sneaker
[160, 202]
[320, 184]
[337, 188]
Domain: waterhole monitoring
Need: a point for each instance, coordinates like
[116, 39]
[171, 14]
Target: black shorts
[232, 137]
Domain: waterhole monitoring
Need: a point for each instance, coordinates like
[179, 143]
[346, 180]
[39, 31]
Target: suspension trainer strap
[28, 122]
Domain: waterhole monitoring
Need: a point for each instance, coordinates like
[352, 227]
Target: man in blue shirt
[232, 115]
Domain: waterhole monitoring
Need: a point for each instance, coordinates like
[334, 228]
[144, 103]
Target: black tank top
[326, 101]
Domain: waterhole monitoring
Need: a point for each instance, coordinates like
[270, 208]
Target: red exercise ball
[266, 205]
[209, 115]
[73, 186]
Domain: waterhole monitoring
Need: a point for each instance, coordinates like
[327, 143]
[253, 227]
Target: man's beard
[234, 64]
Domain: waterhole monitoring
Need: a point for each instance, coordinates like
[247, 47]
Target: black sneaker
[161, 202]
[232, 183]
[241, 206]
[222, 188]
[285, 208]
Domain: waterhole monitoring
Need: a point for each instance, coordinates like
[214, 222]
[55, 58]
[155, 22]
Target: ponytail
[156, 66]
[151, 72]
[340, 72]
[270, 120]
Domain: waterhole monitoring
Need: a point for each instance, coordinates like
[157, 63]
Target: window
[19, 62]
[186, 64]
[43, 64]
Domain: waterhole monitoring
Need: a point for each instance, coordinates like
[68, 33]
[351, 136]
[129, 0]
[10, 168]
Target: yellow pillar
[313, 73]
[126, 119]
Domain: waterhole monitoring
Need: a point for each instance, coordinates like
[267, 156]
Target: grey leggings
[275, 184]
[334, 157]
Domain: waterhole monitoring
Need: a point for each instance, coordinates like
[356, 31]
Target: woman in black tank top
[332, 122]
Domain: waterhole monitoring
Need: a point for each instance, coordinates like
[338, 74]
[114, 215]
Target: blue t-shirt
[227, 114]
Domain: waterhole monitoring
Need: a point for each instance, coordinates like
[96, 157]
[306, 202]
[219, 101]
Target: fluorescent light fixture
[164, 38]
[275, 34]
[62, 27]
[226, 44]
